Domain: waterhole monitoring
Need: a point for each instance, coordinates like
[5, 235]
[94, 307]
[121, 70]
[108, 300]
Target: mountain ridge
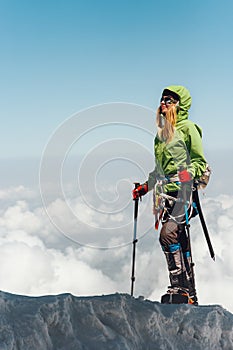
[115, 321]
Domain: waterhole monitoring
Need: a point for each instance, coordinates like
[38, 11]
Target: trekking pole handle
[136, 185]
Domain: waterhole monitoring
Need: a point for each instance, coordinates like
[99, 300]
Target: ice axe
[204, 227]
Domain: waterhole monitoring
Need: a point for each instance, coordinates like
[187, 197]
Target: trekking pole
[184, 189]
[136, 184]
[187, 227]
[205, 230]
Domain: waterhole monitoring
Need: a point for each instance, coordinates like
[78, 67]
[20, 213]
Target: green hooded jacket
[185, 149]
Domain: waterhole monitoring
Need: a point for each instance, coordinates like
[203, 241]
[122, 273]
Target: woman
[179, 161]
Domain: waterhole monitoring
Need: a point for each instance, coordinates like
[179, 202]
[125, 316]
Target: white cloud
[20, 217]
[16, 193]
[36, 259]
[28, 267]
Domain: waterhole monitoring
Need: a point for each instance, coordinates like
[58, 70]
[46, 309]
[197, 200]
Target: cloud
[33, 269]
[36, 259]
[19, 216]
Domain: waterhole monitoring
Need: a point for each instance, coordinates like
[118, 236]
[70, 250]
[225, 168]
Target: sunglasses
[167, 100]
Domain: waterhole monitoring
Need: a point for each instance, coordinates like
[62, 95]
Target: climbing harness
[163, 202]
[192, 206]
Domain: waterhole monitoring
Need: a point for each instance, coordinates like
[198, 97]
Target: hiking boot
[176, 295]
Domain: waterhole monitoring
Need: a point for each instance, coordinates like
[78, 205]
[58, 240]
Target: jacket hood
[185, 100]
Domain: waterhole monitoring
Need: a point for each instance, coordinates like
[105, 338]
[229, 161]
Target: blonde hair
[166, 123]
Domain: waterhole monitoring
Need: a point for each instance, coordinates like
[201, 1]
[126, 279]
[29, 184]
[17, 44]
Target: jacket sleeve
[152, 177]
[151, 180]
[197, 164]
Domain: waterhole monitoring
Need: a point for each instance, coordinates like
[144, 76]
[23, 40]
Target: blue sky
[58, 57]
[61, 57]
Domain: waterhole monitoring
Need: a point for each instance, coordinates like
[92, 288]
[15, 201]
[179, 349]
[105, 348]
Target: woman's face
[166, 102]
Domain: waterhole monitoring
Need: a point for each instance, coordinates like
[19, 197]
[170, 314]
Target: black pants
[176, 245]
[173, 223]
